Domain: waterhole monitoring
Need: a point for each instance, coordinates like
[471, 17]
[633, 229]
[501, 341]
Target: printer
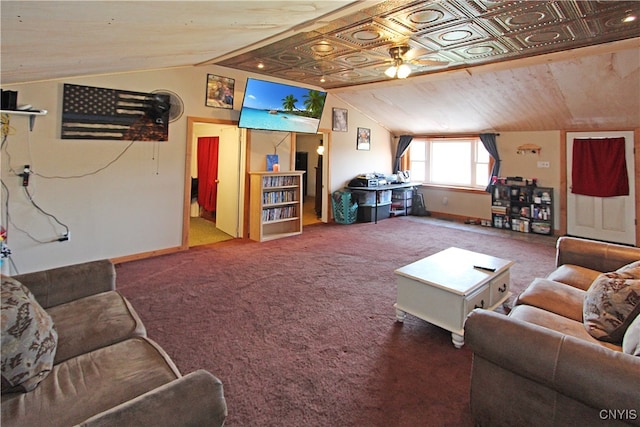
[368, 180]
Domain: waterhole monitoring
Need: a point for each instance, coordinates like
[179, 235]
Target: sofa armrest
[63, 284]
[595, 255]
[594, 375]
[196, 399]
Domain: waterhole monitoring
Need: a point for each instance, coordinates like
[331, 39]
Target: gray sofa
[539, 366]
[106, 371]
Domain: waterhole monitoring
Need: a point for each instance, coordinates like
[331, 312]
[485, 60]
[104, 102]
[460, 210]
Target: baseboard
[455, 218]
[144, 255]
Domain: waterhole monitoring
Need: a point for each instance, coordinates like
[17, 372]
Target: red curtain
[208, 172]
[599, 168]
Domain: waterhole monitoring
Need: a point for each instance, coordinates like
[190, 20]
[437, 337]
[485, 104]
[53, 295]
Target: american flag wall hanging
[99, 113]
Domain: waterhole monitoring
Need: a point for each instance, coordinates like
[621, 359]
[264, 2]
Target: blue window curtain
[489, 142]
[403, 146]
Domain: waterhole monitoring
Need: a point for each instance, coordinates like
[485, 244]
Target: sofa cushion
[555, 297]
[612, 302]
[89, 323]
[558, 323]
[631, 339]
[84, 386]
[574, 275]
[29, 339]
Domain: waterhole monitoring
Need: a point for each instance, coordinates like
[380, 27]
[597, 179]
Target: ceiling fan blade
[429, 62]
[414, 53]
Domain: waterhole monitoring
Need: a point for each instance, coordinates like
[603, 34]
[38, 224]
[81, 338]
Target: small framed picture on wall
[363, 141]
[220, 91]
[340, 123]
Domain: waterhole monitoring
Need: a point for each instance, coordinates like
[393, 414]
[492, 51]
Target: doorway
[309, 159]
[212, 182]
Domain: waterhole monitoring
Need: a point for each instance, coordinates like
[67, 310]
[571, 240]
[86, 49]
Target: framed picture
[364, 139]
[340, 120]
[220, 91]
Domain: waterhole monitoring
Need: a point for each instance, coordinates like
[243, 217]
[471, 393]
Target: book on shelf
[275, 214]
[279, 181]
[273, 197]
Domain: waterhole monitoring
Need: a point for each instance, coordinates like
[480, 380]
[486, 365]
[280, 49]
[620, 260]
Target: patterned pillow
[612, 302]
[29, 338]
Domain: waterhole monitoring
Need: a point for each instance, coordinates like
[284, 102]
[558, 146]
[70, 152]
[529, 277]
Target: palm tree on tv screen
[314, 102]
[289, 103]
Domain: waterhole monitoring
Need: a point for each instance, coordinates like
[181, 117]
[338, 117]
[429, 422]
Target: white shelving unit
[276, 205]
[32, 114]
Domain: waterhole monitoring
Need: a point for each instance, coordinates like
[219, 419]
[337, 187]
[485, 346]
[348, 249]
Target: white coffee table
[443, 288]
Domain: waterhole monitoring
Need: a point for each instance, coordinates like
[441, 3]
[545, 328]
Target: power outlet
[543, 164]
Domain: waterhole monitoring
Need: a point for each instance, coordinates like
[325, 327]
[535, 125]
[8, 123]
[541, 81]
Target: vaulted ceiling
[439, 35]
[476, 64]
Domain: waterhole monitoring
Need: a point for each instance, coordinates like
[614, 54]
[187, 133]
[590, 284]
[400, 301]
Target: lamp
[403, 71]
[399, 69]
[391, 71]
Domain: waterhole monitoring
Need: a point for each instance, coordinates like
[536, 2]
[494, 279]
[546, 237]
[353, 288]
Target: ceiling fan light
[391, 71]
[403, 71]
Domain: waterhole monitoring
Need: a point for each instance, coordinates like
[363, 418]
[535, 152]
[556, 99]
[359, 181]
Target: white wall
[265, 142]
[134, 205]
[345, 161]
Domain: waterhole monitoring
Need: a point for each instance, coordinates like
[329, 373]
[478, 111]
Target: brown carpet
[302, 330]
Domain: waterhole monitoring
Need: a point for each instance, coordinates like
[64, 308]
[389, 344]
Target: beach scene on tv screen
[276, 106]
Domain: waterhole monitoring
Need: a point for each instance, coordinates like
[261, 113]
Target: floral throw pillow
[29, 339]
[612, 302]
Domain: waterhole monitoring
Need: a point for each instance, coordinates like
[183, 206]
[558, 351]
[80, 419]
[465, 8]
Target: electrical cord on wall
[7, 130]
[88, 173]
[33, 202]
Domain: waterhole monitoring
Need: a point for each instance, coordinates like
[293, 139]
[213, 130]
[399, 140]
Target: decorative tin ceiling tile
[324, 47]
[269, 65]
[455, 35]
[614, 22]
[591, 8]
[532, 15]
[326, 67]
[545, 37]
[425, 15]
[479, 7]
[482, 50]
[369, 34]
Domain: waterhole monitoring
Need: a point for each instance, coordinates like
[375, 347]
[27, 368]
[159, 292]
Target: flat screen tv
[276, 106]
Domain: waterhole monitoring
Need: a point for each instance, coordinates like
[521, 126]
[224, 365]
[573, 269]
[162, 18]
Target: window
[455, 162]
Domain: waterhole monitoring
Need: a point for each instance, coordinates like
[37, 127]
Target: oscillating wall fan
[177, 106]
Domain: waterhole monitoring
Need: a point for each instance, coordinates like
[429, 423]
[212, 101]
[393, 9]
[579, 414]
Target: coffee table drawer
[499, 287]
[480, 299]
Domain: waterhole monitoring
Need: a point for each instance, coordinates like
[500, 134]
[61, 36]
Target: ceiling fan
[403, 55]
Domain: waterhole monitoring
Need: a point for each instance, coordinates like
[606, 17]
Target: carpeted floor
[204, 232]
[302, 330]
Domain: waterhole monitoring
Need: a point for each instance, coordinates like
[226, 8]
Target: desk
[380, 188]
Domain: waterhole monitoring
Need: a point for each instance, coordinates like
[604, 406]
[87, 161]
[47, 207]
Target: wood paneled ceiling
[442, 35]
